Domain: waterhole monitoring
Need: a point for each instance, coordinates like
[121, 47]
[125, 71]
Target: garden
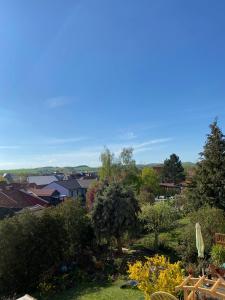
[123, 244]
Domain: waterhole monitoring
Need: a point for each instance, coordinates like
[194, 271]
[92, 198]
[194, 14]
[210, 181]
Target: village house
[42, 180]
[72, 188]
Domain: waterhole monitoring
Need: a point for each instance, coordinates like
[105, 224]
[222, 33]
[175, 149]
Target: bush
[156, 274]
[29, 245]
[218, 255]
[212, 220]
[34, 244]
[77, 225]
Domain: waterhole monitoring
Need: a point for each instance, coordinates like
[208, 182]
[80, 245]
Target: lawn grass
[91, 291]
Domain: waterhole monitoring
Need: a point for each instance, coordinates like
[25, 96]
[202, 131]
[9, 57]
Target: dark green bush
[34, 244]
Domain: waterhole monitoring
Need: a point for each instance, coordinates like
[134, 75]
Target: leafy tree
[115, 212]
[209, 183]
[107, 168]
[128, 171]
[173, 170]
[149, 186]
[122, 169]
[158, 218]
[150, 180]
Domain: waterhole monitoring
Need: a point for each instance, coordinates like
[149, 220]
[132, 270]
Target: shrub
[218, 255]
[156, 274]
[33, 244]
[212, 220]
[29, 245]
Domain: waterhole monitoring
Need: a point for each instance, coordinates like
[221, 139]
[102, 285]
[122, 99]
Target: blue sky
[80, 75]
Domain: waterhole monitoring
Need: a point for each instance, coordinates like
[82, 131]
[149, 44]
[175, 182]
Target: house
[50, 195]
[14, 200]
[42, 180]
[10, 178]
[71, 188]
[67, 188]
[85, 184]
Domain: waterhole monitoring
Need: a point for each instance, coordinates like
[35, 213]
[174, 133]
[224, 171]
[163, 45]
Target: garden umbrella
[199, 241]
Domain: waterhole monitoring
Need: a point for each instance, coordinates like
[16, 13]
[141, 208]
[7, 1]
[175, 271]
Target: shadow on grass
[81, 289]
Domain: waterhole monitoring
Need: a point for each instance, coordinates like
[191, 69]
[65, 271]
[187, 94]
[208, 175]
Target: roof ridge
[33, 195]
[9, 197]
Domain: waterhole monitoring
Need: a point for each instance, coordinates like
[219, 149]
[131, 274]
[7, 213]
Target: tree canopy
[208, 186]
[157, 218]
[173, 170]
[115, 212]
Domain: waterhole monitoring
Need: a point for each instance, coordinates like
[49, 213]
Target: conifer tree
[173, 170]
[209, 182]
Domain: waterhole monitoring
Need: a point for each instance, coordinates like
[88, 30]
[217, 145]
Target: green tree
[128, 171]
[149, 186]
[150, 180]
[107, 168]
[209, 183]
[158, 218]
[121, 169]
[173, 170]
[115, 213]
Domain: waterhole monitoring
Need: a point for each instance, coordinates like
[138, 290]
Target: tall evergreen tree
[173, 170]
[209, 182]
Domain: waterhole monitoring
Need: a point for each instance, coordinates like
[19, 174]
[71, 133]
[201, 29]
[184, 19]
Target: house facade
[72, 188]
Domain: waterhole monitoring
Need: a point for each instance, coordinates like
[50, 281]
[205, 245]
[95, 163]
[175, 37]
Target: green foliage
[212, 220]
[77, 226]
[149, 186]
[29, 245]
[33, 244]
[107, 168]
[158, 218]
[122, 169]
[173, 170]
[128, 172]
[218, 255]
[209, 183]
[115, 212]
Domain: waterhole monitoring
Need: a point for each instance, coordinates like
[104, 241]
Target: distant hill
[49, 170]
[81, 168]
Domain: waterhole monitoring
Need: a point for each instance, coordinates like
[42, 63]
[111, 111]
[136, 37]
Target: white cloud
[56, 102]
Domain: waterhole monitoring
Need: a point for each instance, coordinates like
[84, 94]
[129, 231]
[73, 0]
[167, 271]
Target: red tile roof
[19, 199]
[43, 192]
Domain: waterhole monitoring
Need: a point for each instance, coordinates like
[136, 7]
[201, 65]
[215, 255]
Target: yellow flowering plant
[156, 274]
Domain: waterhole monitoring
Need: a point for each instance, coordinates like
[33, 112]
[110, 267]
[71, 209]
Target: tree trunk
[156, 241]
[119, 245]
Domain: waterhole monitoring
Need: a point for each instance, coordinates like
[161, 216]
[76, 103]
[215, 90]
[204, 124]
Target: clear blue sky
[80, 75]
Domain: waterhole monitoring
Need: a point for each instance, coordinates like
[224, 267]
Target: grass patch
[92, 291]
